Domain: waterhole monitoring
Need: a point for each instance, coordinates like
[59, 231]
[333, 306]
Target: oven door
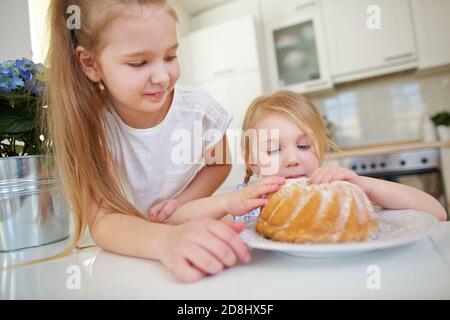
[429, 181]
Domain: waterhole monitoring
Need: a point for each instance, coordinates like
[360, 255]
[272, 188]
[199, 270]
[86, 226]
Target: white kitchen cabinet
[432, 24]
[297, 52]
[223, 50]
[235, 93]
[274, 10]
[224, 60]
[358, 50]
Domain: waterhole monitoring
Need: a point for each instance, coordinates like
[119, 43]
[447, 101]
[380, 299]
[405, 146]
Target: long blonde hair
[294, 107]
[75, 109]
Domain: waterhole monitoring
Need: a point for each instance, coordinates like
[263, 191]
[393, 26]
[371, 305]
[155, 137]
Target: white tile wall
[386, 109]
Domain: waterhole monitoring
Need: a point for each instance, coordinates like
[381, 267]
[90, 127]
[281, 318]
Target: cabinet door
[432, 24]
[357, 51]
[203, 56]
[297, 52]
[223, 50]
[238, 47]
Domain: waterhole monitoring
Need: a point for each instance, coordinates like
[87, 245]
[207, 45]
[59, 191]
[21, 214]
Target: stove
[417, 168]
[395, 163]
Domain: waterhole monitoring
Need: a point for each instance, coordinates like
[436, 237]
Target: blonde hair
[75, 107]
[294, 107]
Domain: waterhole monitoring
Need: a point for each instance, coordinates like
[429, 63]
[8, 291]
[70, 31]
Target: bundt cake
[326, 213]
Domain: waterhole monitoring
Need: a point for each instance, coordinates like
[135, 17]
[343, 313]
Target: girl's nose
[291, 159]
[292, 162]
[160, 76]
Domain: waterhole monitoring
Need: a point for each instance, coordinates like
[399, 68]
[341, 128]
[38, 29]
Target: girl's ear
[88, 64]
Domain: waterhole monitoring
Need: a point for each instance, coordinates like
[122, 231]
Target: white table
[420, 271]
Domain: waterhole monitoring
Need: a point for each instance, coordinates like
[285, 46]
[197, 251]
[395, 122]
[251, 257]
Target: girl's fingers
[341, 176]
[317, 177]
[153, 212]
[258, 191]
[230, 236]
[272, 180]
[338, 175]
[255, 203]
[237, 226]
[187, 273]
[203, 260]
[219, 249]
[330, 176]
[167, 211]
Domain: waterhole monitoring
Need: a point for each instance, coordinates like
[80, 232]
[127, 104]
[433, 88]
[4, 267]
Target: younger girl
[300, 147]
[116, 120]
[284, 135]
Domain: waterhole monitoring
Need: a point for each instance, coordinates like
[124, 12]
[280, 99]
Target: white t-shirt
[158, 163]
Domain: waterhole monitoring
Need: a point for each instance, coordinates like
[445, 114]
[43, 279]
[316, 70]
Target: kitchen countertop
[417, 271]
[387, 148]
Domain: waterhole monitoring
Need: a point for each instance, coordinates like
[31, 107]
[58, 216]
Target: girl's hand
[330, 174]
[163, 210]
[203, 247]
[253, 196]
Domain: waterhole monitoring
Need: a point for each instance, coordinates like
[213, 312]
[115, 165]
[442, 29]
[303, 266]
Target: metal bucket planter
[33, 211]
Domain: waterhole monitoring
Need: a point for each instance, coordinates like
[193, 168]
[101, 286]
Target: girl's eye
[171, 58]
[137, 64]
[304, 146]
[270, 152]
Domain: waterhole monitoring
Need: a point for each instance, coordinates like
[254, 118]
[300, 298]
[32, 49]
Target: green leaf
[441, 118]
[16, 121]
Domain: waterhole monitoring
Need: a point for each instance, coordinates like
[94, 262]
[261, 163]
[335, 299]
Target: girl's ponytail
[75, 116]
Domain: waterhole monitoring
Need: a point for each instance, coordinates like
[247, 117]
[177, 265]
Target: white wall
[15, 40]
[39, 31]
[39, 34]
[184, 26]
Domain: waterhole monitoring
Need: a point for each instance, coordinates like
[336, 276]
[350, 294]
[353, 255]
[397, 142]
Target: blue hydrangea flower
[20, 76]
[5, 71]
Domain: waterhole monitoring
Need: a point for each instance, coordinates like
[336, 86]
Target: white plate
[397, 228]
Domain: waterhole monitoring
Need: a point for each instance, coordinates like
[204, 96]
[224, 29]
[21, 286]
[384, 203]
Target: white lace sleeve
[215, 118]
[215, 123]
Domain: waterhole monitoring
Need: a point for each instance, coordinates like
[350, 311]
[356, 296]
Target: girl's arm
[191, 251]
[207, 180]
[211, 176]
[233, 203]
[389, 195]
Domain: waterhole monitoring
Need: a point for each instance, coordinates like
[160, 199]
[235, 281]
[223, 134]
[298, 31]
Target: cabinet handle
[398, 56]
[222, 72]
[315, 84]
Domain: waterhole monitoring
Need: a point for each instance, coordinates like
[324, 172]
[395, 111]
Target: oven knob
[354, 167]
[383, 164]
[373, 165]
[424, 160]
[363, 166]
[402, 162]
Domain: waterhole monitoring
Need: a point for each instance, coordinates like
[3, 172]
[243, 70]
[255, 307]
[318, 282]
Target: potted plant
[33, 210]
[442, 122]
